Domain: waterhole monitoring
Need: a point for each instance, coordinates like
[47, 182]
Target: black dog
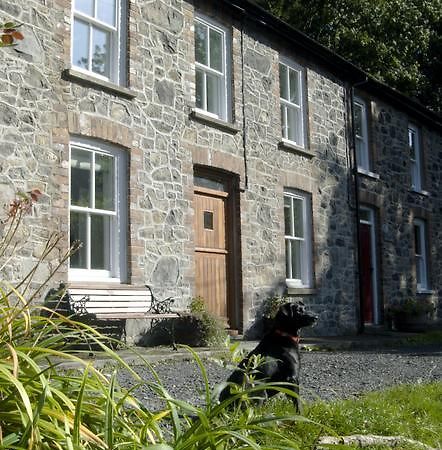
[280, 352]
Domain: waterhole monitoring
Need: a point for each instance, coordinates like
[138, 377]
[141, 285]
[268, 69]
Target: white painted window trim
[364, 165]
[421, 259]
[117, 239]
[415, 164]
[225, 91]
[306, 280]
[118, 41]
[287, 104]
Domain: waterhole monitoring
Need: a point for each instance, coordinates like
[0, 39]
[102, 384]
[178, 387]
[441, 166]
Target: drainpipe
[350, 104]
[243, 106]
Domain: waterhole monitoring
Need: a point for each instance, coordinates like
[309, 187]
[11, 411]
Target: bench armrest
[160, 306]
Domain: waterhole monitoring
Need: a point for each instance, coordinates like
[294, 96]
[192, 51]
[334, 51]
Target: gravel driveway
[324, 375]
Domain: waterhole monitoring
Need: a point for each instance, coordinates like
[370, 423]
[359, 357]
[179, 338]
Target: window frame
[118, 42]
[224, 112]
[287, 104]
[365, 164]
[306, 279]
[118, 231]
[416, 163]
[421, 259]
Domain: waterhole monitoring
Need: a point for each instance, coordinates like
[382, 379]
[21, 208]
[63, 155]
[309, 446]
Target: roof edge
[344, 69]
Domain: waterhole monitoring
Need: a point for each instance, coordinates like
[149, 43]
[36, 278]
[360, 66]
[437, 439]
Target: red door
[366, 272]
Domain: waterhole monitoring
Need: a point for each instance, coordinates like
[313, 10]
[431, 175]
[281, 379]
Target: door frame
[233, 239]
[371, 222]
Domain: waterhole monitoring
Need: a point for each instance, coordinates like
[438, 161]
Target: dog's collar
[294, 339]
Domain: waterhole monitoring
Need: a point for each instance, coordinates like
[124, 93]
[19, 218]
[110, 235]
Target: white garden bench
[119, 303]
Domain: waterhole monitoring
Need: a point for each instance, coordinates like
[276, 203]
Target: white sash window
[97, 215]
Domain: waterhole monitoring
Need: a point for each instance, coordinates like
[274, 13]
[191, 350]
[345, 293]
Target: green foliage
[208, 327]
[46, 406]
[412, 306]
[271, 305]
[411, 411]
[398, 41]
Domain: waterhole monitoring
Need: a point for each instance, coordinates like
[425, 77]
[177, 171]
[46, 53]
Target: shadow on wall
[335, 296]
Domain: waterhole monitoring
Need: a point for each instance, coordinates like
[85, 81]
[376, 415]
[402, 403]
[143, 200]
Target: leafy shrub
[208, 328]
[412, 306]
[46, 406]
[271, 305]
[199, 328]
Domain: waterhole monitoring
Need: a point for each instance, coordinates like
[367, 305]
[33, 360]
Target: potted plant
[412, 315]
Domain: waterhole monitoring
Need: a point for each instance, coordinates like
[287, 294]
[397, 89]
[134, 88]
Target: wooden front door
[211, 250]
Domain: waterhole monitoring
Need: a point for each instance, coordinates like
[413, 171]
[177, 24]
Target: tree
[396, 41]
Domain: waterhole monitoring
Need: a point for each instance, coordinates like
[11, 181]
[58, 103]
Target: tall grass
[45, 406]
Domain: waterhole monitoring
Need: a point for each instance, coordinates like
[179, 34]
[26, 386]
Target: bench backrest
[110, 301]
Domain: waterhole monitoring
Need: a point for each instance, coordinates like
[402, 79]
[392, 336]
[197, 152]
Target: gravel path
[325, 375]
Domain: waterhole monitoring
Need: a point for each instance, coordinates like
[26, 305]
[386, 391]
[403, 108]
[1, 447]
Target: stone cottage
[206, 148]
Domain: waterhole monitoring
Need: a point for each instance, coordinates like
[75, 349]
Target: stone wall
[42, 104]
[397, 204]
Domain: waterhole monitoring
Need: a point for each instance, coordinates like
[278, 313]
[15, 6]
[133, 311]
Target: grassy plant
[45, 406]
[413, 412]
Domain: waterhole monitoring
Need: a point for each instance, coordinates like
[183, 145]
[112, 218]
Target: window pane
[201, 43]
[216, 50]
[101, 50]
[417, 241]
[213, 94]
[419, 270]
[283, 85]
[412, 144]
[296, 259]
[78, 232]
[358, 119]
[210, 183]
[85, 6]
[288, 259]
[100, 242]
[80, 177]
[298, 219]
[364, 214]
[199, 93]
[104, 182]
[294, 86]
[294, 125]
[288, 216]
[411, 140]
[106, 11]
[415, 175]
[283, 122]
[80, 50]
[360, 152]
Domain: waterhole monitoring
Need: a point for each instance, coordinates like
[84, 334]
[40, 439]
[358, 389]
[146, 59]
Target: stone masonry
[43, 104]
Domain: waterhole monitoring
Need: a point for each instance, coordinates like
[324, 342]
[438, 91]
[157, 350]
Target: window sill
[292, 147]
[419, 192]
[424, 292]
[368, 173]
[91, 81]
[206, 119]
[300, 291]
